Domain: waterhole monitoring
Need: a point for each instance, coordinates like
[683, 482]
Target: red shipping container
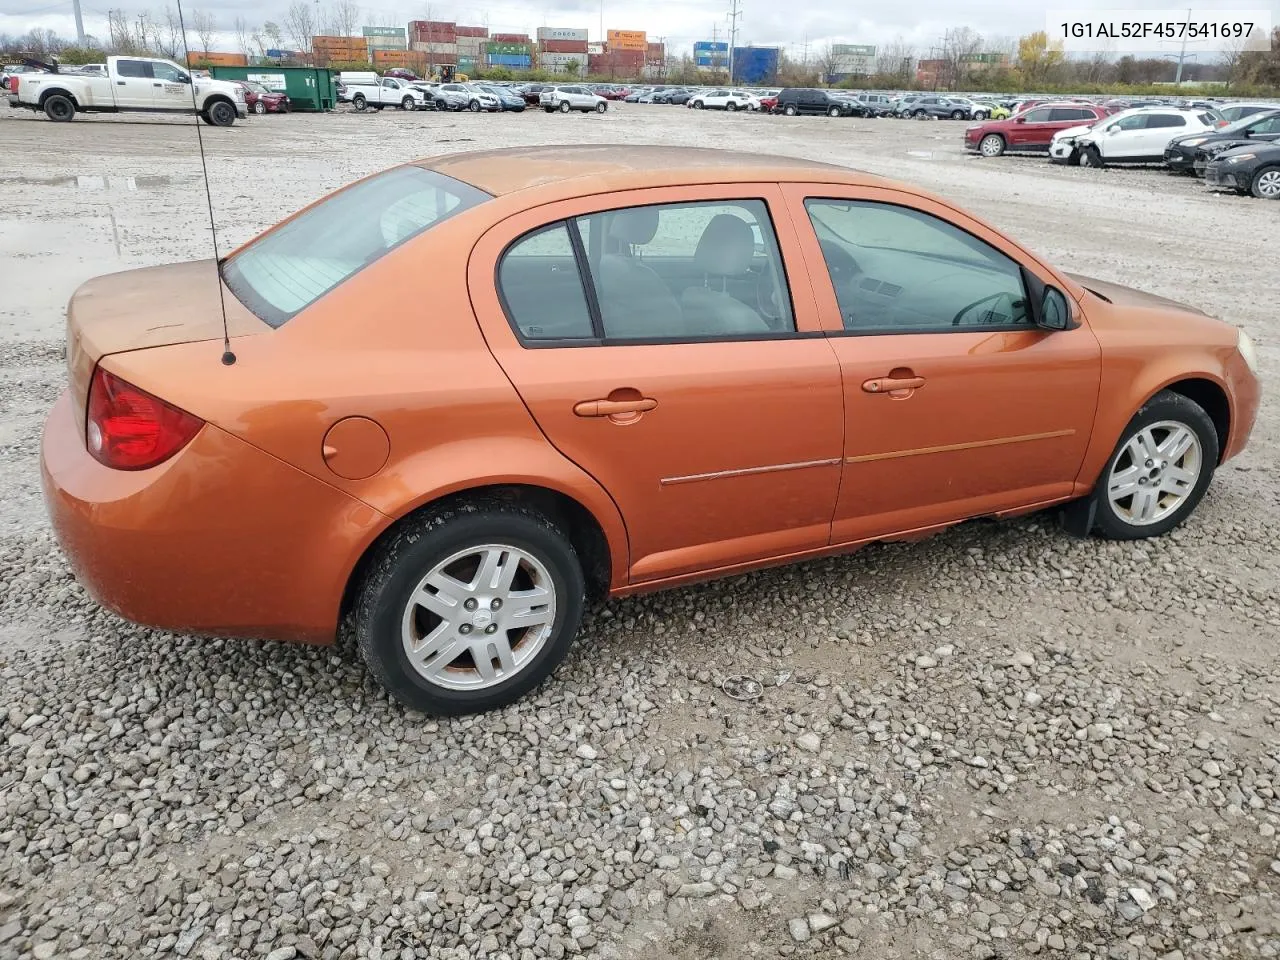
[473, 32]
[563, 46]
[510, 38]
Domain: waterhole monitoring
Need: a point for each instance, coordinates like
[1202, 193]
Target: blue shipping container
[709, 47]
[755, 64]
[510, 60]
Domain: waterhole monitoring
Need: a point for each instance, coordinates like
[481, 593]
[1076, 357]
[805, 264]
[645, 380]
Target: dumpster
[308, 88]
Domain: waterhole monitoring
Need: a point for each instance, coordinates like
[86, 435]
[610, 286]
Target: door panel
[134, 86]
[716, 453]
[962, 422]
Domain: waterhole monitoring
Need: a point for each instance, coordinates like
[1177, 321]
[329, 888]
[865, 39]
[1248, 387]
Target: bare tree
[345, 16]
[959, 45]
[169, 39]
[827, 63]
[275, 36]
[1232, 53]
[242, 34]
[204, 26]
[259, 42]
[300, 25]
[894, 59]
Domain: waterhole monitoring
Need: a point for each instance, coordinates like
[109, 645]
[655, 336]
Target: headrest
[637, 225]
[726, 247]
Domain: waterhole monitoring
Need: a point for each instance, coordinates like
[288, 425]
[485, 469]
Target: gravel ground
[997, 743]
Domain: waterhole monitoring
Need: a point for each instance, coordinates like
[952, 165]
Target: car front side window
[900, 270]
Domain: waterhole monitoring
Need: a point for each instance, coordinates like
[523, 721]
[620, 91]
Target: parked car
[572, 97]
[875, 104]
[10, 72]
[1140, 136]
[942, 108]
[508, 100]
[1238, 111]
[142, 84]
[464, 96]
[402, 73]
[990, 110]
[531, 92]
[1251, 169]
[724, 99]
[1190, 153]
[261, 100]
[1031, 131]
[769, 102]
[901, 106]
[566, 446]
[387, 92]
[807, 101]
[679, 98]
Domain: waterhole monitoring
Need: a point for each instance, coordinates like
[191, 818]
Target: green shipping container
[308, 88]
[494, 48]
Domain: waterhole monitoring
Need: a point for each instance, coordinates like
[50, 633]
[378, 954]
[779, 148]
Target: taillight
[129, 429]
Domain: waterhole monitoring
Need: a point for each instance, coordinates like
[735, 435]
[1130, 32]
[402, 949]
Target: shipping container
[511, 62]
[308, 88]
[505, 49]
[436, 48]
[627, 40]
[755, 64]
[562, 33]
[560, 59]
[563, 46]
[596, 47]
[394, 33]
[656, 52]
[472, 32]
[211, 58]
[511, 38]
[853, 50]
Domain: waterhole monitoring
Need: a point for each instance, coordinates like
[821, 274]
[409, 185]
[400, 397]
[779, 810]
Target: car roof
[520, 168]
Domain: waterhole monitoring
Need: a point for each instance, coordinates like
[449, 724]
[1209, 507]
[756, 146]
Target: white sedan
[724, 100]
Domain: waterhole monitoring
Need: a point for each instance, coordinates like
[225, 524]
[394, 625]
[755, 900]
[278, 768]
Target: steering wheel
[959, 317]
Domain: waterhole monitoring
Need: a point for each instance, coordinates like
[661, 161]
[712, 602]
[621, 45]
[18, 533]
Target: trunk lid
[150, 307]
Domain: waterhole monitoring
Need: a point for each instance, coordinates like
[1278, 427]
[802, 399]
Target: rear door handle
[157, 84]
[613, 408]
[119, 83]
[894, 386]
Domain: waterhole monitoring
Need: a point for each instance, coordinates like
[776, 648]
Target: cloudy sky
[920, 23]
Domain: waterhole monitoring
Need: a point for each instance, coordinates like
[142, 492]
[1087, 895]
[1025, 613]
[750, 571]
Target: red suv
[1031, 130]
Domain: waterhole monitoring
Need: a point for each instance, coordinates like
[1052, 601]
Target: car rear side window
[133, 68]
[541, 288]
[288, 269]
[1166, 120]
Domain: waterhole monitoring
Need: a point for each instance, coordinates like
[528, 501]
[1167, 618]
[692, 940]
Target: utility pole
[75, 6]
[734, 14]
[1177, 82]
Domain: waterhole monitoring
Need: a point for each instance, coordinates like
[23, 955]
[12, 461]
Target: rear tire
[1164, 415]
[564, 106]
[59, 108]
[392, 625]
[359, 102]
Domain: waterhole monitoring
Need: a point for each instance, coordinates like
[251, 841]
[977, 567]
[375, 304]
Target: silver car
[571, 97]
[463, 96]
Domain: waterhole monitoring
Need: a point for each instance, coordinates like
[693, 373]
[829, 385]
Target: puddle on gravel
[90, 182]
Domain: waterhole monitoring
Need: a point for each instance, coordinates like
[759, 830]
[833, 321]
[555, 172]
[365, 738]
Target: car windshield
[284, 271]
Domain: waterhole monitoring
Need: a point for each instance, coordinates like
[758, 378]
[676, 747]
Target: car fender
[1125, 386]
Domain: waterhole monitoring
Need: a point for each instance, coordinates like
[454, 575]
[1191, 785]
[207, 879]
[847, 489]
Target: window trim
[593, 305]
[1023, 274]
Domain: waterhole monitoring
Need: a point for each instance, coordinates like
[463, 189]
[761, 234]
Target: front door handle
[157, 84]
[621, 409]
[896, 387]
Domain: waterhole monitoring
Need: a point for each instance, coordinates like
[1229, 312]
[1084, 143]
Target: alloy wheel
[479, 617]
[1267, 184]
[1155, 473]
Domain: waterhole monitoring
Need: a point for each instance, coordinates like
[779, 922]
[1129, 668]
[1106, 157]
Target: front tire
[222, 114]
[957, 114]
[469, 608]
[474, 106]
[407, 103]
[833, 112]
[1090, 157]
[259, 107]
[789, 110]
[699, 105]
[992, 145]
[59, 108]
[1266, 184]
[1159, 471]
[601, 107]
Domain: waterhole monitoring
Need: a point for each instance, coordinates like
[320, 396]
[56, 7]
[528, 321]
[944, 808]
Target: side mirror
[1019, 119]
[184, 78]
[1055, 311]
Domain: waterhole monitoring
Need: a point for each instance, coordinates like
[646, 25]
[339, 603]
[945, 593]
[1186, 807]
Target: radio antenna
[228, 358]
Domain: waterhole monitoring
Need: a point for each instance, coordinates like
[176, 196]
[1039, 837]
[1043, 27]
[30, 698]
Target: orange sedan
[465, 395]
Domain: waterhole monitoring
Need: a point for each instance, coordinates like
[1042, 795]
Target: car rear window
[285, 271]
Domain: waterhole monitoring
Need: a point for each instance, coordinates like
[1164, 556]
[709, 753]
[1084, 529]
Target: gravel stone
[799, 929]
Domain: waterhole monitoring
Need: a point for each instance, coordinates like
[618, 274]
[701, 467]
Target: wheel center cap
[482, 618]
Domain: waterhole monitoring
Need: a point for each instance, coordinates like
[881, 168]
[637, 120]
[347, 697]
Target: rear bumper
[219, 539]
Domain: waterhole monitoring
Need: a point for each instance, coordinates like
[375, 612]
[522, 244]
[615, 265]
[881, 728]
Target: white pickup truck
[387, 92]
[130, 83]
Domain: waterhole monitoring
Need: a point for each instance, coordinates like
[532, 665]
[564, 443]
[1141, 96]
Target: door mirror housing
[1019, 119]
[1055, 310]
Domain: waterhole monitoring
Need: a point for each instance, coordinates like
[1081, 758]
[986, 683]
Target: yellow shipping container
[628, 40]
